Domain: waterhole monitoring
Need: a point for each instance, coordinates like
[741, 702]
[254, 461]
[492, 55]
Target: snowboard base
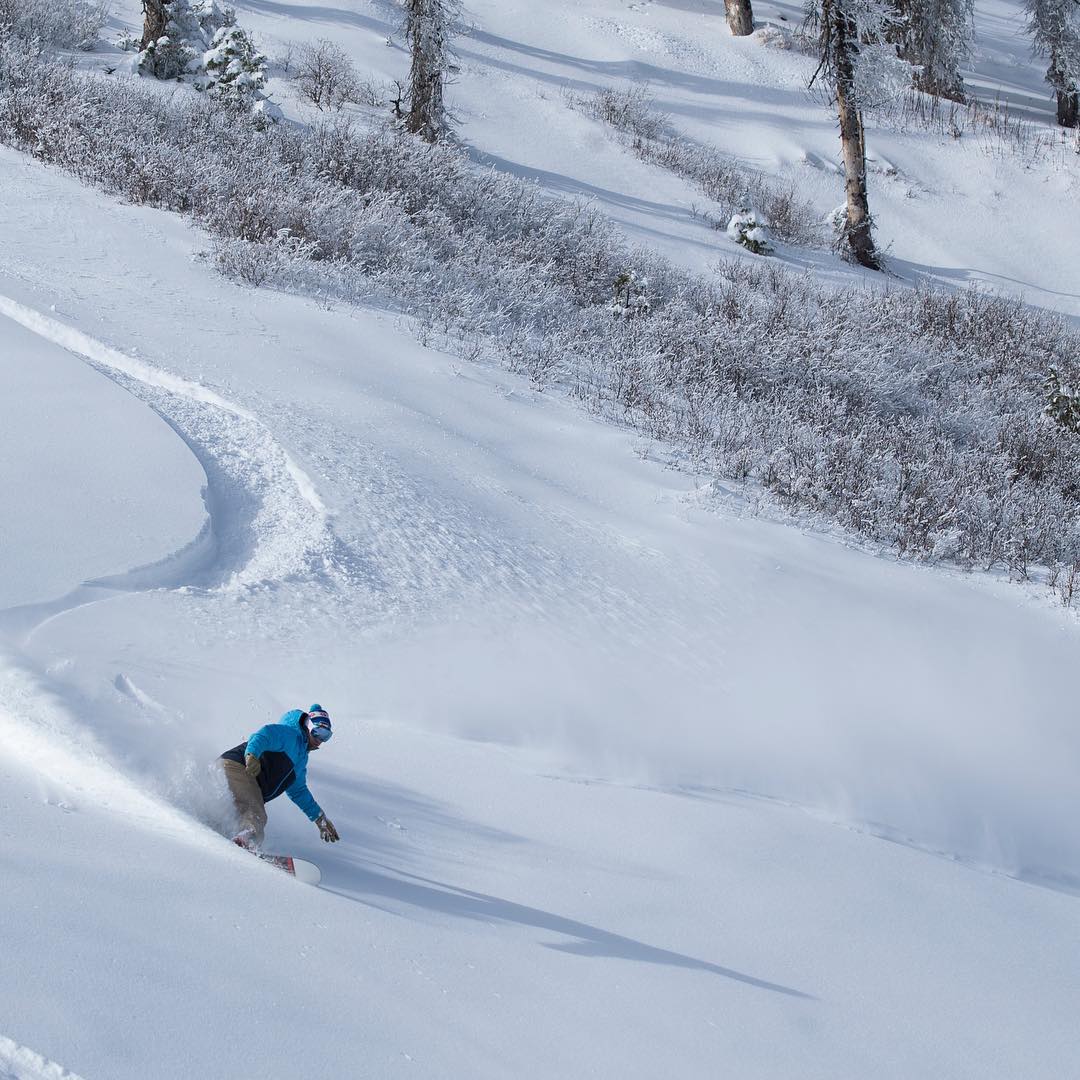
[301, 869]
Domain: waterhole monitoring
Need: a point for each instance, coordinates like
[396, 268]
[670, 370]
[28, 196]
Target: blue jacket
[282, 749]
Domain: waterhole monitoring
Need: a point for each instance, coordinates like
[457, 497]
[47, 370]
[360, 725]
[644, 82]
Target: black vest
[277, 772]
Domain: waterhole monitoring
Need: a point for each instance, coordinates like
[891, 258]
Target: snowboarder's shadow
[401, 887]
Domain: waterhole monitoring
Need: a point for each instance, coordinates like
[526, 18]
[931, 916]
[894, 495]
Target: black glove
[327, 830]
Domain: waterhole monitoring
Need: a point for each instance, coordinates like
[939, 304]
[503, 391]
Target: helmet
[319, 723]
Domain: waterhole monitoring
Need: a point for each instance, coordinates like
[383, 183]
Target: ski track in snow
[267, 522]
[21, 1063]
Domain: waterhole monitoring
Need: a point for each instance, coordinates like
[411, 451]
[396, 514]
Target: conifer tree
[854, 65]
[935, 36]
[1055, 27]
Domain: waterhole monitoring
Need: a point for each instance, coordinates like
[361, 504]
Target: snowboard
[300, 869]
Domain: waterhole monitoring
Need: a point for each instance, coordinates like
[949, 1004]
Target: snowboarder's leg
[249, 801]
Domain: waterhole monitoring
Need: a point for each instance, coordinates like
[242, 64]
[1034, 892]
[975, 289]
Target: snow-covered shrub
[774, 37]
[837, 222]
[630, 295]
[913, 418]
[721, 178]
[259, 262]
[629, 110]
[794, 39]
[69, 24]
[750, 230]
[324, 75]
[265, 112]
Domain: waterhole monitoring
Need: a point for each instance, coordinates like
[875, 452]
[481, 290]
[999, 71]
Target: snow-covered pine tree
[235, 69]
[199, 41]
[935, 36]
[740, 17]
[750, 230]
[855, 65]
[427, 28]
[1055, 27]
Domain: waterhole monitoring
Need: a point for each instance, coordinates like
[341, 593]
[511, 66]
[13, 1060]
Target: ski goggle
[321, 732]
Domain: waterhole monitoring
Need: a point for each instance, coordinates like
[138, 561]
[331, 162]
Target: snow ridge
[82, 344]
[267, 521]
[21, 1063]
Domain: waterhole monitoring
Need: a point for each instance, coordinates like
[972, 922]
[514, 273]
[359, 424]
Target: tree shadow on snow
[334, 16]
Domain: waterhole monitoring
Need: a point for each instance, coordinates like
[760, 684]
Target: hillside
[632, 779]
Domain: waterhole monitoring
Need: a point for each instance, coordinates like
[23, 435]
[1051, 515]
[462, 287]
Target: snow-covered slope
[630, 782]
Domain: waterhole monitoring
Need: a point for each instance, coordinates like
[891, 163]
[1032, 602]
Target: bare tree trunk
[1068, 113]
[740, 17]
[853, 144]
[1066, 89]
[425, 96]
[154, 20]
[427, 29]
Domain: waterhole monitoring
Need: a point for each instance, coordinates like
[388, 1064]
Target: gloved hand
[253, 765]
[326, 829]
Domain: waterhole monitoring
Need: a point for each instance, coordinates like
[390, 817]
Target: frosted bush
[837, 223]
[797, 39]
[721, 178]
[324, 75]
[69, 24]
[629, 110]
[1062, 406]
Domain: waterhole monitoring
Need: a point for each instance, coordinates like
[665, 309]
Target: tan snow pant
[248, 798]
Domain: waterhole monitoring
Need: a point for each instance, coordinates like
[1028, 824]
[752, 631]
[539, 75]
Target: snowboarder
[274, 760]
